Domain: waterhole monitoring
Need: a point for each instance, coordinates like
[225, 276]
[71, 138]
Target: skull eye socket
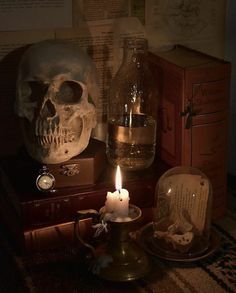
[70, 92]
[36, 90]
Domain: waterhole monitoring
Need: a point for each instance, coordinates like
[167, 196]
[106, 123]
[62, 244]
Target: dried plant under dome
[183, 211]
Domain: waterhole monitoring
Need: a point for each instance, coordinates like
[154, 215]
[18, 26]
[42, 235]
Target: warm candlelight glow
[130, 118]
[117, 202]
[118, 179]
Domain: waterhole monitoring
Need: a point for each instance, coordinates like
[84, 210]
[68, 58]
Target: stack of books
[38, 220]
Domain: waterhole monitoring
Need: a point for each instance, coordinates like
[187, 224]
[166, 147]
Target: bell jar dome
[182, 217]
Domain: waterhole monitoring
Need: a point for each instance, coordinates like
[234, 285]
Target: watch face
[45, 182]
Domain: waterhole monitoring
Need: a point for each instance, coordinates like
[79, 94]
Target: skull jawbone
[56, 153]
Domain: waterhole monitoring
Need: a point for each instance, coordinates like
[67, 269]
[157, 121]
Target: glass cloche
[182, 218]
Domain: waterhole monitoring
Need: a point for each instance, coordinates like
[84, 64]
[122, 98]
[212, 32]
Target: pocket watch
[45, 180]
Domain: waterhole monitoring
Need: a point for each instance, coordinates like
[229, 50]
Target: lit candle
[122, 203]
[118, 202]
[111, 202]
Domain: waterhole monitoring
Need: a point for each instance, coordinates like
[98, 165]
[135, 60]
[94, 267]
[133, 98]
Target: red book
[39, 209]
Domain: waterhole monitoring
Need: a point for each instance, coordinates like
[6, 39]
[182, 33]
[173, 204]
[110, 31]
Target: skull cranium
[56, 97]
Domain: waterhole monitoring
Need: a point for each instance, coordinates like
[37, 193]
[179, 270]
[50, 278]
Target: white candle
[122, 202]
[118, 202]
[111, 202]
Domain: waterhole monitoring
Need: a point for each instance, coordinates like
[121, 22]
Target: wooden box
[193, 117]
[81, 170]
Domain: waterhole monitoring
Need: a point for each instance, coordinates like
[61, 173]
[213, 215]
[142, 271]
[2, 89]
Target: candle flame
[118, 179]
[130, 118]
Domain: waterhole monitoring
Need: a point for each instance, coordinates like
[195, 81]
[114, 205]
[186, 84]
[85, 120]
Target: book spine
[39, 213]
[51, 237]
[62, 235]
[10, 221]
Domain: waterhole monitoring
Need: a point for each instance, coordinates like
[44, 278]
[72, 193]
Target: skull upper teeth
[50, 133]
[49, 139]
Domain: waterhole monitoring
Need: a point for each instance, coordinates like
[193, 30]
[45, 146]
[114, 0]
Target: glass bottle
[132, 108]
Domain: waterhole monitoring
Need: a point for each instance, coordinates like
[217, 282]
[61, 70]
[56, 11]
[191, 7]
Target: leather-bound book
[193, 114]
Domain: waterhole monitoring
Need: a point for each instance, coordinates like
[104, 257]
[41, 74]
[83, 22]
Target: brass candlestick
[123, 260]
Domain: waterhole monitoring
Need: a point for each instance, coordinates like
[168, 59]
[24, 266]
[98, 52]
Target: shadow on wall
[10, 134]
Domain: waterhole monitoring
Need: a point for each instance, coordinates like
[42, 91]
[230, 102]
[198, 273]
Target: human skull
[56, 97]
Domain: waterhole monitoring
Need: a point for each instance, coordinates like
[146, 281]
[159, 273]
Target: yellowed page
[35, 14]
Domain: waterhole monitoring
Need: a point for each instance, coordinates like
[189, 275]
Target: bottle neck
[135, 50]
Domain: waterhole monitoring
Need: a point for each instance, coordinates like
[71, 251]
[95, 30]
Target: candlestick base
[133, 215]
[122, 259]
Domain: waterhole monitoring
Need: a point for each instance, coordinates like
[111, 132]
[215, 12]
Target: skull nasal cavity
[48, 109]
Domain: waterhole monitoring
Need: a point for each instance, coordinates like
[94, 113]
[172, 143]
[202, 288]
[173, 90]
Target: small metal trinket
[45, 180]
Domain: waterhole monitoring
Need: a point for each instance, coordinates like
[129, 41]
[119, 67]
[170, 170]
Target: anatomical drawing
[185, 16]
